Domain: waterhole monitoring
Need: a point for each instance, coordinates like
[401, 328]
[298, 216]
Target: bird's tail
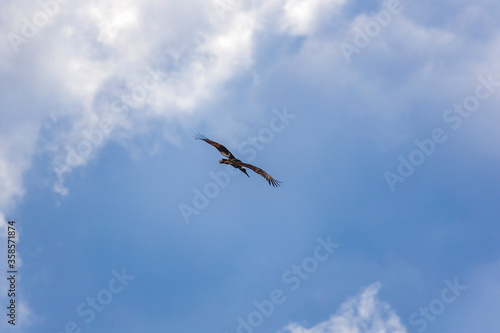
[245, 172]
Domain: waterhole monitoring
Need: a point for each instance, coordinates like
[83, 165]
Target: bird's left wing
[270, 180]
[223, 150]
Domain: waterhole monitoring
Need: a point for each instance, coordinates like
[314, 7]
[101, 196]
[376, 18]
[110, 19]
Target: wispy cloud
[363, 313]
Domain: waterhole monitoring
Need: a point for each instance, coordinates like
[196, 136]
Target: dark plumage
[236, 163]
[223, 150]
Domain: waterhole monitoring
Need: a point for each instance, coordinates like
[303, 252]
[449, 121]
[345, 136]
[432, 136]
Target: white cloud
[101, 52]
[91, 53]
[16, 149]
[363, 313]
[296, 17]
[302, 17]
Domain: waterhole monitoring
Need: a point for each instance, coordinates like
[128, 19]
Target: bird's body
[236, 163]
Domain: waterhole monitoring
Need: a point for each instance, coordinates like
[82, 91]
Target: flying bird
[236, 163]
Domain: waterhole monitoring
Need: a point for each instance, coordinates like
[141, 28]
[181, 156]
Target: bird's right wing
[223, 150]
[270, 180]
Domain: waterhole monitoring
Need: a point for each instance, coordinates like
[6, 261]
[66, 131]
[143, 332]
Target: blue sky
[381, 119]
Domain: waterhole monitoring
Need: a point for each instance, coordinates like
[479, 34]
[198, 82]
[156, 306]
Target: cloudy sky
[380, 118]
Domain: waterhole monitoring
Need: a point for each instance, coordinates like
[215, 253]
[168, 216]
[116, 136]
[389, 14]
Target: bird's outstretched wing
[270, 180]
[223, 150]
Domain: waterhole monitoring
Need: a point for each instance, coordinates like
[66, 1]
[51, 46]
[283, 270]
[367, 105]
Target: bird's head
[222, 161]
[245, 171]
